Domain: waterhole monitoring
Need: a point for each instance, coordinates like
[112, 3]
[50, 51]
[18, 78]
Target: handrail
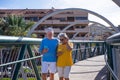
[110, 69]
[114, 39]
[19, 40]
[14, 62]
[32, 58]
[27, 40]
[86, 41]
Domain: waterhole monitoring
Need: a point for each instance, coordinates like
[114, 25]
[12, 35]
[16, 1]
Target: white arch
[78, 22]
[62, 10]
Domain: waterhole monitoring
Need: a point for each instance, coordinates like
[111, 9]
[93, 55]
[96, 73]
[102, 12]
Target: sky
[106, 8]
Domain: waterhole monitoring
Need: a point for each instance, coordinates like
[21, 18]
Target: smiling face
[63, 40]
[49, 35]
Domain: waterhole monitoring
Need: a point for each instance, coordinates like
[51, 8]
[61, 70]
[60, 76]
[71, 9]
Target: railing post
[84, 54]
[33, 62]
[110, 59]
[80, 51]
[18, 65]
[103, 48]
[94, 50]
[76, 51]
[98, 49]
[89, 49]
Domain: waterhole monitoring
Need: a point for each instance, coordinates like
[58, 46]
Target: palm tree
[3, 26]
[17, 26]
[14, 26]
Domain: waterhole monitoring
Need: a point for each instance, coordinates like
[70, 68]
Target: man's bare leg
[66, 78]
[61, 78]
[44, 76]
[51, 76]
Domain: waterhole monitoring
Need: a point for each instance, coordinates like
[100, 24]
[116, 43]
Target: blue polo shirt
[51, 44]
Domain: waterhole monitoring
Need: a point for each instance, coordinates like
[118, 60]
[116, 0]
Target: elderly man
[48, 49]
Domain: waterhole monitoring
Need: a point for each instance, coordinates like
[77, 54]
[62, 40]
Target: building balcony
[64, 22]
[82, 30]
[57, 30]
[80, 38]
[33, 15]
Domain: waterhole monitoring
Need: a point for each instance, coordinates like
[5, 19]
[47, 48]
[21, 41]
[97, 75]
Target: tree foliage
[14, 26]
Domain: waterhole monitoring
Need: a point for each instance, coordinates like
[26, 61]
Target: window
[70, 18]
[71, 28]
[62, 19]
[27, 18]
[50, 18]
[77, 26]
[81, 18]
[82, 35]
[2, 12]
[69, 12]
[31, 18]
[82, 26]
[42, 12]
[35, 18]
[40, 18]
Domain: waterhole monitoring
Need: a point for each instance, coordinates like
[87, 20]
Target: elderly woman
[64, 53]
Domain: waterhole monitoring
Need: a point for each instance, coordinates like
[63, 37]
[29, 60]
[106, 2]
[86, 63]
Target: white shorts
[64, 71]
[48, 66]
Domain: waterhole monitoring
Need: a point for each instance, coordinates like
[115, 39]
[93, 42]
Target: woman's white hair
[63, 35]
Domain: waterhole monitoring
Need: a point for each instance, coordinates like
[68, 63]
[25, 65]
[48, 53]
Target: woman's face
[63, 40]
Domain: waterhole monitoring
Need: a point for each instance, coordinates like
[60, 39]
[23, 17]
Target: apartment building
[98, 32]
[58, 21]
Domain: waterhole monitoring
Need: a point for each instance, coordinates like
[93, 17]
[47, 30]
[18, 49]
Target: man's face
[49, 34]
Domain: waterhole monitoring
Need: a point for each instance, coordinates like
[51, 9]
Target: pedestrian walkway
[89, 69]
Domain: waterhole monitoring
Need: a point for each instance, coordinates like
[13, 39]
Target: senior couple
[57, 55]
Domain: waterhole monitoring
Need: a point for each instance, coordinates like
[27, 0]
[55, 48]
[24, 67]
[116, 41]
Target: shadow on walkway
[102, 75]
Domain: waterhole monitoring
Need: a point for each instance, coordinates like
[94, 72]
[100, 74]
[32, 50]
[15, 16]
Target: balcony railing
[64, 22]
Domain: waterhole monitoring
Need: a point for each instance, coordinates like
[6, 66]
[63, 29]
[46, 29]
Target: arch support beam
[63, 10]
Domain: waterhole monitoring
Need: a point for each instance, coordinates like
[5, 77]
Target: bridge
[93, 60]
[89, 69]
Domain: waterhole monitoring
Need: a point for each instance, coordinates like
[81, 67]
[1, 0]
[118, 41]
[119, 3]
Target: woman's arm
[69, 47]
[59, 53]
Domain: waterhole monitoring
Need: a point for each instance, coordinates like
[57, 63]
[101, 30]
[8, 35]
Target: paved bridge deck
[89, 69]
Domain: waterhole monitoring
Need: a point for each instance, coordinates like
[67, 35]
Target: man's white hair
[50, 29]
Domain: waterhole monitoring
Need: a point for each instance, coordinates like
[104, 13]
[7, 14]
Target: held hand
[59, 53]
[68, 46]
[44, 51]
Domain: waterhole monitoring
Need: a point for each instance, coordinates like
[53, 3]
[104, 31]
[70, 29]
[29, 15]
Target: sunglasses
[61, 39]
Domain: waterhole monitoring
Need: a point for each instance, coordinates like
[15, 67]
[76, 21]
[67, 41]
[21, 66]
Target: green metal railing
[86, 49]
[22, 53]
[24, 47]
[113, 57]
